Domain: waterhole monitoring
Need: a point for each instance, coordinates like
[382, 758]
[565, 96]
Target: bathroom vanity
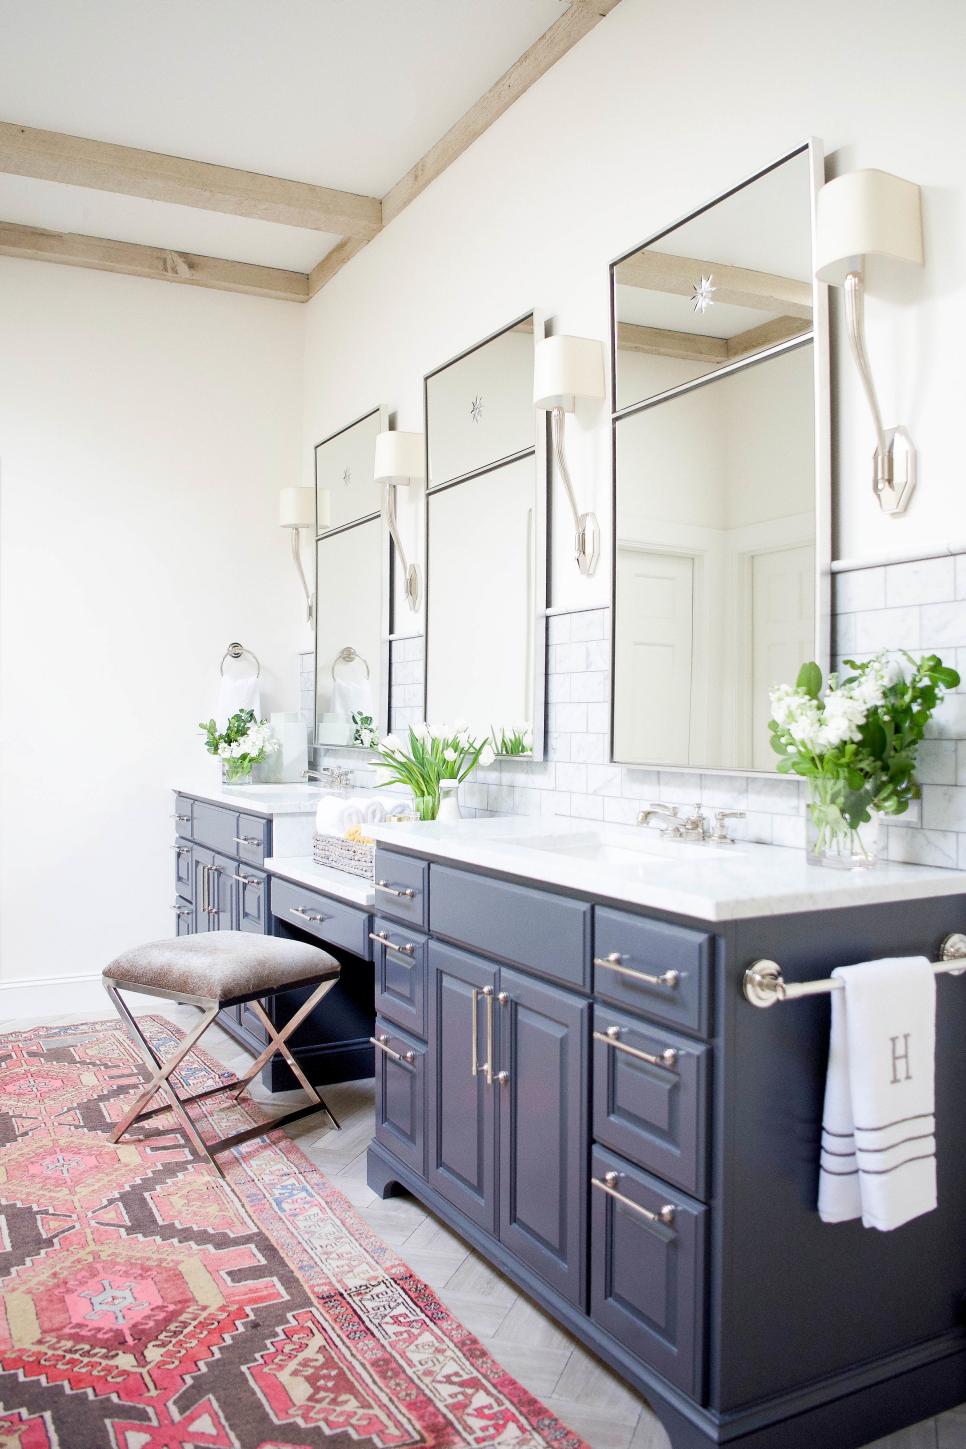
[570, 1076]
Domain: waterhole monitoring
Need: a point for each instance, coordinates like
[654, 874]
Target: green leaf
[810, 679]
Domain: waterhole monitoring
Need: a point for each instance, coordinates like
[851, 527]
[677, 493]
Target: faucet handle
[720, 834]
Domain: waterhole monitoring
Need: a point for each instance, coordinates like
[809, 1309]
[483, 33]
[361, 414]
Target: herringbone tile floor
[545, 1359]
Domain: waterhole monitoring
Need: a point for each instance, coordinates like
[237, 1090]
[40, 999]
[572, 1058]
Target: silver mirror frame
[541, 535]
[381, 720]
[821, 378]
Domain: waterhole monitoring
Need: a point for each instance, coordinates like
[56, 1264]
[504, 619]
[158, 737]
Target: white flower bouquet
[429, 757]
[856, 746]
[242, 744]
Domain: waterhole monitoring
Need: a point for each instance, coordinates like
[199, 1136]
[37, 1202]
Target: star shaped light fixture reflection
[476, 408]
[701, 298]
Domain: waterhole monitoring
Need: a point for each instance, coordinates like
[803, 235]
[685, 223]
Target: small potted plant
[856, 747]
[364, 731]
[433, 765]
[242, 744]
[512, 741]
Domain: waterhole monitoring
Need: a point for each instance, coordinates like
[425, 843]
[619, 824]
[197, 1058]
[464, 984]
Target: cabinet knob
[503, 1078]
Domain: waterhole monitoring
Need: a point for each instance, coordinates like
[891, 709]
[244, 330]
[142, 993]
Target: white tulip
[487, 756]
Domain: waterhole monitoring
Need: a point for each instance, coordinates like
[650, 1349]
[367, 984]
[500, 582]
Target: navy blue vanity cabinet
[402, 887]
[251, 899]
[400, 959]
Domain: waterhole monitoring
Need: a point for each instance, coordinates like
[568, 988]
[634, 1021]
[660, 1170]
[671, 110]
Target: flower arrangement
[857, 745]
[430, 757]
[513, 740]
[364, 732]
[243, 743]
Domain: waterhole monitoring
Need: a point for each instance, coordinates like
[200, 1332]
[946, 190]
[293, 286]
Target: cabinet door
[542, 1093]
[184, 915]
[461, 1137]
[221, 893]
[250, 899]
[184, 871]
[400, 1094]
[204, 889]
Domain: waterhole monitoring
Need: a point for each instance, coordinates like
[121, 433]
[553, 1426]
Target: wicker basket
[350, 856]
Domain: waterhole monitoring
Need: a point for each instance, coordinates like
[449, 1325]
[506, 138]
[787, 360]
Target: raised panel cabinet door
[542, 1090]
[400, 1094]
[184, 873]
[250, 899]
[461, 1119]
[647, 1268]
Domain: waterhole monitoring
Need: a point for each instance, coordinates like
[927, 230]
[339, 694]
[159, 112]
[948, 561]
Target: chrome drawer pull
[406, 894]
[306, 915]
[246, 840]
[609, 1185]
[182, 849]
[182, 910]
[612, 1037]
[407, 950]
[382, 1042]
[182, 819]
[613, 963]
[249, 880]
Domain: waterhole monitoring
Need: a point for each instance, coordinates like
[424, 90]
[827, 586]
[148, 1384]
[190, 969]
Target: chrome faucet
[336, 776]
[693, 827]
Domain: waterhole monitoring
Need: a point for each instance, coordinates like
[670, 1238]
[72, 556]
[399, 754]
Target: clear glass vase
[426, 807]
[236, 772]
[841, 826]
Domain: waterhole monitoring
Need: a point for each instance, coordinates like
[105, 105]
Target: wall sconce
[296, 510]
[399, 462]
[564, 369]
[871, 213]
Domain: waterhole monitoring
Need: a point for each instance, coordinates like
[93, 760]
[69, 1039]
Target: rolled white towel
[375, 812]
[350, 814]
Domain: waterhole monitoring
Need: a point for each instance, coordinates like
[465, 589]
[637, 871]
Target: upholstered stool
[212, 971]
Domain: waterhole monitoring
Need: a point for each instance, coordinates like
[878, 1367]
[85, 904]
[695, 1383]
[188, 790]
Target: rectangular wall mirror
[721, 474]
[486, 538]
[352, 564]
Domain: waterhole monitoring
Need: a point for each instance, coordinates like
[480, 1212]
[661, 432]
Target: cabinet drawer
[654, 1112]
[251, 899]
[184, 873]
[182, 815]
[251, 839]
[654, 967]
[401, 1095]
[329, 920]
[402, 887]
[547, 933]
[215, 826]
[647, 1275]
[400, 975]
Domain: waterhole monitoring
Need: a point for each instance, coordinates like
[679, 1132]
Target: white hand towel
[375, 812]
[235, 693]
[878, 1126]
[350, 814]
[350, 696]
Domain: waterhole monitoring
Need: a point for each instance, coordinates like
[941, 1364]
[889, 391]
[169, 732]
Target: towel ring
[348, 655]
[235, 651]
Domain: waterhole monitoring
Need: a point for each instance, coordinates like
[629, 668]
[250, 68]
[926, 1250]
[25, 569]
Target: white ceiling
[345, 93]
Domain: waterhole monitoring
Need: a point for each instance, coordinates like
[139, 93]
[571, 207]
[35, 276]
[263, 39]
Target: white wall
[144, 432]
[659, 108]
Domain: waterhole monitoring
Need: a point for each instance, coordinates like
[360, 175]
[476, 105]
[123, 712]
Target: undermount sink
[628, 850]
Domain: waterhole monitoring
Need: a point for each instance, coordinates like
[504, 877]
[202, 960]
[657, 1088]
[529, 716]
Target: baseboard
[38, 998]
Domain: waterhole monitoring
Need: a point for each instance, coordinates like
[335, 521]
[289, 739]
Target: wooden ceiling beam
[734, 286]
[102, 166]
[160, 263]
[546, 50]
[715, 351]
[778, 329]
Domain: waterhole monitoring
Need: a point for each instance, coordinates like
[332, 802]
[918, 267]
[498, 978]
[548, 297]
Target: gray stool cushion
[222, 965]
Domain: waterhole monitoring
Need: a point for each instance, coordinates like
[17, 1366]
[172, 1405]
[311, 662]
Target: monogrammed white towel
[878, 1144]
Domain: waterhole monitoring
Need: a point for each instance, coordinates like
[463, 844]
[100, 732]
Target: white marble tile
[590, 687]
[923, 847]
[499, 797]
[640, 784]
[559, 687]
[592, 749]
[726, 792]
[788, 830]
[923, 581]
[604, 779]
[944, 807]
[887, 629]
[936, 763]
[589, 624]
[961, 576]
[554, 802]
[621, 811]
[572, 777]
[559, 628]
[942, 626]
[558, 745]
[598, 719]
[780, 797]
[587, 807]
[860, 589]
[526, 801]
[949, 721]
[569, 718]
[598, 655]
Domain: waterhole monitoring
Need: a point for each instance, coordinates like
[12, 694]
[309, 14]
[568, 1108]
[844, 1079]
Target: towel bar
[763, 983]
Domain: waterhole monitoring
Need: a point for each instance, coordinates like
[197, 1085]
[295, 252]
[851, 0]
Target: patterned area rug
[147, 1305]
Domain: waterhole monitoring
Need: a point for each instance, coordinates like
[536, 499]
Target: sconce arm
[586, 527]
[557, 432]
[855, 319]
[410, 573]
[297, 559]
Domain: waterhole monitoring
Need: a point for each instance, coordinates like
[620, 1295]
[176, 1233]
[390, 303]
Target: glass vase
[236, 772]
[426, 807]
[841, 826]
[449, 805]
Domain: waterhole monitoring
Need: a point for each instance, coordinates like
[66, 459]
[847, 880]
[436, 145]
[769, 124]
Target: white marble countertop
[301, 799]
[633, 864]
[303, 870]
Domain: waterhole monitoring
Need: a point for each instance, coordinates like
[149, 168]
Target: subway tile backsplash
[918, 606]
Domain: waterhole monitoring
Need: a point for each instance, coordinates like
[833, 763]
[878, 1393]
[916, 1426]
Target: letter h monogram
[900, 1058]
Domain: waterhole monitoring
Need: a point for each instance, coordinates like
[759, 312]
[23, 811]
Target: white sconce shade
[399, 455]
[565, 368]
[296, 508]
[871, 214]
[866, 214]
